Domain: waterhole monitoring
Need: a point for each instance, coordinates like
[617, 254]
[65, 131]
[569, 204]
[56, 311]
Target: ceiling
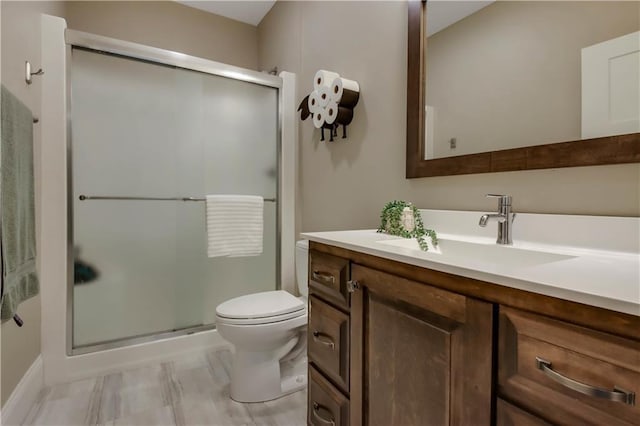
[443, 13]
[250, 12]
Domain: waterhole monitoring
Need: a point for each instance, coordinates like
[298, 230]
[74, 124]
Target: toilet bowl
[268, 332]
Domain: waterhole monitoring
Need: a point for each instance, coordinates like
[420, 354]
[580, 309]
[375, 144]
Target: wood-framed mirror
[545, 152]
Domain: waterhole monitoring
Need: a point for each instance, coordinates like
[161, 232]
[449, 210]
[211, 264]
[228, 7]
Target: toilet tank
[302, 266]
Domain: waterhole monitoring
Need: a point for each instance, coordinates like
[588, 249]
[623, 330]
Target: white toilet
[269, 333]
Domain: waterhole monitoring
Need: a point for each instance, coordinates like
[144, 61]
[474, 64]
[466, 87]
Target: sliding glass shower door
[146, 130]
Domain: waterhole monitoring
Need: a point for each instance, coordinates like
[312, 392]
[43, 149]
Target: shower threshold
[140, 339]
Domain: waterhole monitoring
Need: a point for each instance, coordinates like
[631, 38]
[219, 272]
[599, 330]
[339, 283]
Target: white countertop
[608, 279]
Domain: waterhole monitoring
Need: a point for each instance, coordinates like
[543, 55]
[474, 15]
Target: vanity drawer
[567, 373]
[510, 415]
[328, 341]
[328, 276]
[326, 404]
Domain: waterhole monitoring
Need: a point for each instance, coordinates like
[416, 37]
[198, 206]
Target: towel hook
[28, 74]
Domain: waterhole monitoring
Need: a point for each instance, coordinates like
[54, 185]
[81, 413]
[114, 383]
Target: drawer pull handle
[323, 338]
[324, 277]
[617, 394]
[324, 420]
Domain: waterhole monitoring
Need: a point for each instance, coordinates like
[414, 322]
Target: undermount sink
[458, 250]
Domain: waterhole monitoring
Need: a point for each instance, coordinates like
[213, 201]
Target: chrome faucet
[504, 217]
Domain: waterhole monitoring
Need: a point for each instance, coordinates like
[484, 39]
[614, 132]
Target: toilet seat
[260, 321]
[260, 308]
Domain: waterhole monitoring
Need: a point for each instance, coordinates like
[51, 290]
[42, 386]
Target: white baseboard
[64, 369]
[24, 395]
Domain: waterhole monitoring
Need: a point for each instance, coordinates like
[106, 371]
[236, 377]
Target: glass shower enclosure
[147, 141]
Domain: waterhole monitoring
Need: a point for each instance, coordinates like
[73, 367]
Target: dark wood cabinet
[392, 344]
[420, 355]
[328, 276]
[328, 341]
[510, 415]
[568, 374]
[327, 405]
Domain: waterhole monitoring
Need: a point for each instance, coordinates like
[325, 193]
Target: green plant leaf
[391, 223]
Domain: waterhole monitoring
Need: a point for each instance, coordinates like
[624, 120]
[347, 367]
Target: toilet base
[259, 377]
[294, 376]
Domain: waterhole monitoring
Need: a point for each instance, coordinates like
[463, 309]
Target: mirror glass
[510, 74]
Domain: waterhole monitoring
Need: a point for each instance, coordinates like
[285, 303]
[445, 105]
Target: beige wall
[344, 184]
[169, 25]
[279, 42]
[496, 85]
[279, 45]
[21, 42]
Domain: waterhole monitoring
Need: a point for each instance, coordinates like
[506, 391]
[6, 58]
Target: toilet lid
[260, 305]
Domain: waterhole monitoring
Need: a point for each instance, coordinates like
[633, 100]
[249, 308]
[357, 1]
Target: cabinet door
[419, 355]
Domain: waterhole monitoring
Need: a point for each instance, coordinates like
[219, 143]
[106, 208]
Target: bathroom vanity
[399, 337]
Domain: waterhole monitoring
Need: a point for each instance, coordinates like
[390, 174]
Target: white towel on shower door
[234, 225]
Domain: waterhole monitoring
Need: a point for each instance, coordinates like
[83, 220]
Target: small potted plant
[403, 219]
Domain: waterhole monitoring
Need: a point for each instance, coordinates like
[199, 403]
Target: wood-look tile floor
[189, 391]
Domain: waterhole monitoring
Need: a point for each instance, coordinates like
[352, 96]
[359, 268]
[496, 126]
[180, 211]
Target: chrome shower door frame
[129, 50]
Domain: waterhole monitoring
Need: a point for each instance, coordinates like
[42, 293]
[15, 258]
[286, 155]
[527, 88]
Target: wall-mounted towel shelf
[100, 197]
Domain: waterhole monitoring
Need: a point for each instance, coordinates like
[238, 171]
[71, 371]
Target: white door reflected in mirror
[611, 87]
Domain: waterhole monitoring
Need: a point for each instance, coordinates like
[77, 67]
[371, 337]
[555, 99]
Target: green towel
[19, 279]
